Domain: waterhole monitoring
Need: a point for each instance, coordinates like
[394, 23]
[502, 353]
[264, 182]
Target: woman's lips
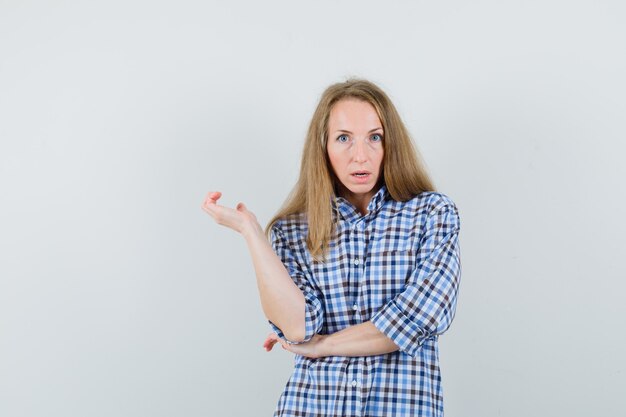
[361, 177]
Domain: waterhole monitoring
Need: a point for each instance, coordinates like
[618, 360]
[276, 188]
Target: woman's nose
[359, 151]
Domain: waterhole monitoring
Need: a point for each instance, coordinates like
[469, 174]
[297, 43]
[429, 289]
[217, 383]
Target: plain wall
[120, 297]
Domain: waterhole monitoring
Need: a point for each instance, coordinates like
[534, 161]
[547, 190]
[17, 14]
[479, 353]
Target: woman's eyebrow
[347, 131]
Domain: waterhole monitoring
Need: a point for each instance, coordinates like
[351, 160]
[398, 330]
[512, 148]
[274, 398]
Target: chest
[369, 261]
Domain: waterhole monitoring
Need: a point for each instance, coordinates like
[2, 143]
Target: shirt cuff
[393, 323]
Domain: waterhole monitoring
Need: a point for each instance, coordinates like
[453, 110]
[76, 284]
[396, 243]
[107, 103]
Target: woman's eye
[376, 137]
[343, 138]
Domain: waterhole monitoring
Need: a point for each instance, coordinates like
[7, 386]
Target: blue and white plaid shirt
[397, 266]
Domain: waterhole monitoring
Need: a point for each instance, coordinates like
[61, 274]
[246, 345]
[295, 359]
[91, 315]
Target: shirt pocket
[388, 272]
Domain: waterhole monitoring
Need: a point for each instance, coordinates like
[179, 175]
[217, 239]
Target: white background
[120, 297]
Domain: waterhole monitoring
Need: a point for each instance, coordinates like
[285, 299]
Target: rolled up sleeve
[314, 309]
[427, 304]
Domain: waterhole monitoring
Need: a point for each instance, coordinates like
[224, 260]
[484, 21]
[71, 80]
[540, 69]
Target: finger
[270, 345]
[211, 198]
[214, 195]
[271, 338]
[210, 206]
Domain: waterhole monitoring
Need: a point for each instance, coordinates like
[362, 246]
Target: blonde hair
[403, 173]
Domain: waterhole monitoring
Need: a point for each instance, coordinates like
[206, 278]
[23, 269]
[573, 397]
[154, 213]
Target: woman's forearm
[359, 340]
[282, 301]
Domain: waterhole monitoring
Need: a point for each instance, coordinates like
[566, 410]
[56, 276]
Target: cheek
[333, 162]
[380, 159]
[336, 161]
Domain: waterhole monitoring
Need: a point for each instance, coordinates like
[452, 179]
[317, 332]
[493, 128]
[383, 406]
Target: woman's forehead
[353, 114]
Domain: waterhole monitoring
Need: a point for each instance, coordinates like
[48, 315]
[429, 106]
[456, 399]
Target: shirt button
[355, 307]
[356, 261]
[354, 382]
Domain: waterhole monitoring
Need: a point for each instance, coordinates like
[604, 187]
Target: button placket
[359, 244]
[359, 384]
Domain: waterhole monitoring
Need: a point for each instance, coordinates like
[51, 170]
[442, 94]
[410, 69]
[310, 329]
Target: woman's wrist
[251, 229]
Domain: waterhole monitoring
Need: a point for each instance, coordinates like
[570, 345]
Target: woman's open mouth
[361, 176]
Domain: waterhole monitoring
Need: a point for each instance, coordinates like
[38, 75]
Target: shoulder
[435, 202]
[427, 209]
[427, 203]
[291, 227]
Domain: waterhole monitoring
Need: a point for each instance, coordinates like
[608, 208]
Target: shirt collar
[350, 213]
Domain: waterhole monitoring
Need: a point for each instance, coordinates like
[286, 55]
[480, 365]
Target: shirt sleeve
[427, 304]
[313, 310]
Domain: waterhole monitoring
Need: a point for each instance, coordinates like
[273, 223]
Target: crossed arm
[359, 340]
[283, 302]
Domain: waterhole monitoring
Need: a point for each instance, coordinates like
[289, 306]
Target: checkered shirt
[397, 266]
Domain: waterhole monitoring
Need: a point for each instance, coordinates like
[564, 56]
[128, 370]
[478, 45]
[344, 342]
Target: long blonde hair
[403, 172]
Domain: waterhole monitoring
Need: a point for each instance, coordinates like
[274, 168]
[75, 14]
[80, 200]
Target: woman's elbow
[295, 333]
[292, 332]
[295, 336]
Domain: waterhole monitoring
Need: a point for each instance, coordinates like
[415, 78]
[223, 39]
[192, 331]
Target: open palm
[238, 219]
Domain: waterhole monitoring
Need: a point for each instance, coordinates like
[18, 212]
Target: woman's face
[355, 149]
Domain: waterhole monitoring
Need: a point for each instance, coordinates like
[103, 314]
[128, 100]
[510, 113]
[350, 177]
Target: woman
[363, 269]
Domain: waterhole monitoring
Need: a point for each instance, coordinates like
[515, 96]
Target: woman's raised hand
[240, 219]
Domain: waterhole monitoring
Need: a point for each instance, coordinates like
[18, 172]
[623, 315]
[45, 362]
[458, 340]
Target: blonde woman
[361, 272]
